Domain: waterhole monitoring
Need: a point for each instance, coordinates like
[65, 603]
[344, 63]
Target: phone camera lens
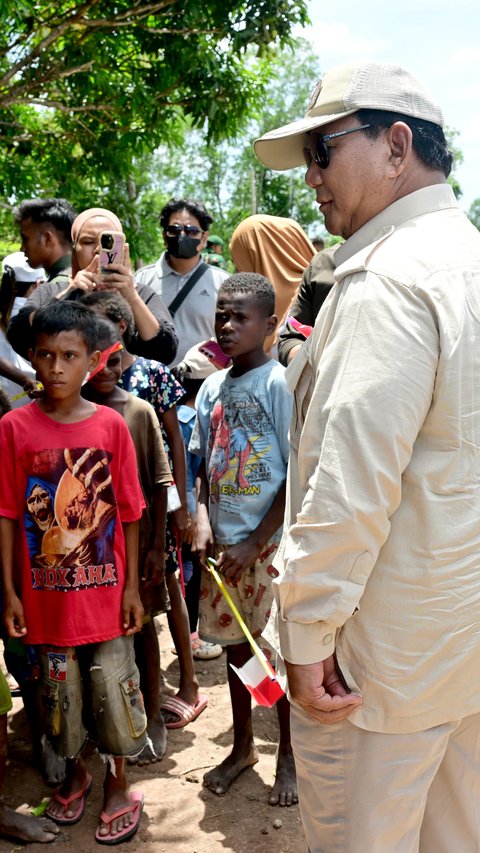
[107, 241]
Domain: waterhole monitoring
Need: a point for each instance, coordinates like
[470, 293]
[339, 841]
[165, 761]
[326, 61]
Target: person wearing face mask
[154, 336]
[187, 284]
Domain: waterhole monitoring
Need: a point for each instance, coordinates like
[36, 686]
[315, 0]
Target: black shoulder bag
[187, 287]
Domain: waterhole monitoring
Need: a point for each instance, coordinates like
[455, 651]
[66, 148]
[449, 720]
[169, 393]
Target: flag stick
[255, 647]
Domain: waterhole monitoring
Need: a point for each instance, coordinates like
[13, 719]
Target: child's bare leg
[12, 824]
[76, 777]
[180, 631]
[147, 657]
[243, 753]
[51, 765]
[284, 791]
[115, 797]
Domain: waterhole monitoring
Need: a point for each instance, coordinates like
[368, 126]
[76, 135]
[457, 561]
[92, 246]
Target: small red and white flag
[265, 689]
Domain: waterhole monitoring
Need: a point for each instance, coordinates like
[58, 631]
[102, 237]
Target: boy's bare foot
[157, 746]
[113, 803]
[76, 780]
[23, 827]
[221, 777]
[284, 791]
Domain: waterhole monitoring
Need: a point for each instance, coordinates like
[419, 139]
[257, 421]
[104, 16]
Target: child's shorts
[93, 690]
[5, 697]
[252, 595]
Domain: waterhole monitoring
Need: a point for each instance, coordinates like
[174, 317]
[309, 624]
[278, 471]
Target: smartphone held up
[112, 251]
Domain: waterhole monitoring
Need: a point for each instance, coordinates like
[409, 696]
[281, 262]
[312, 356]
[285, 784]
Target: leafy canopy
[84, 86]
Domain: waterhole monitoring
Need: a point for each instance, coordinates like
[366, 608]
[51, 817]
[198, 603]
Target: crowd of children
[93, 545]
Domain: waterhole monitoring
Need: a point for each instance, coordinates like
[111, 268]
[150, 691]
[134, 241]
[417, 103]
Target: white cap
[22, 269]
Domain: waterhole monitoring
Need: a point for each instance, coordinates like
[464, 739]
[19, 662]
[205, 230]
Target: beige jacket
[380, 558]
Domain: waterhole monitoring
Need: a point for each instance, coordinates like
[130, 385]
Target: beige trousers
[366, 792]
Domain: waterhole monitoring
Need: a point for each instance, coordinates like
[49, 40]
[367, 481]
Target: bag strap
[187, 287]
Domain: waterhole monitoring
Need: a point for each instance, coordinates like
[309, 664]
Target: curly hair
[255, 285]
[195, 208]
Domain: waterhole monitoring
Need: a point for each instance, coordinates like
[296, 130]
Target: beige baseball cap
[195, 365]
[343, 90]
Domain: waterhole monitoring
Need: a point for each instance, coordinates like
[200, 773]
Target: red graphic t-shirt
[70, 486]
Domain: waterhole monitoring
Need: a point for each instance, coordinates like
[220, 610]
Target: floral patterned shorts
[252, 595]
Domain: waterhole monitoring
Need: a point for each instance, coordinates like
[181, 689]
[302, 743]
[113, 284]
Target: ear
[49, 238]
[203, 242]
[122, 326]
[31, 354]
[399, 137]
[271, 324]
[93, 360]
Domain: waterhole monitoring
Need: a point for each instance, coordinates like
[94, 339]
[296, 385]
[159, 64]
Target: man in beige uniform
[379, 590]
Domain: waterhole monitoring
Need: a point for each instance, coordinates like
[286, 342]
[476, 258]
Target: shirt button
[327, 639]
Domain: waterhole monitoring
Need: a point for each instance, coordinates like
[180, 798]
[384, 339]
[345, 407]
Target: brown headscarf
[277, 248]
[80, 221]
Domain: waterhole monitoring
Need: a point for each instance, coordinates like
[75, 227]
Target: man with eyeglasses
[186, 283]
[378, 598]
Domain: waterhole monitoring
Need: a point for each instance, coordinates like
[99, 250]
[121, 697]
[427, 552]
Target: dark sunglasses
[321, 156]
[190, 230]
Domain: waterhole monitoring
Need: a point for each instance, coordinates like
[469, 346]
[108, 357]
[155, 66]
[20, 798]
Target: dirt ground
[180, 815]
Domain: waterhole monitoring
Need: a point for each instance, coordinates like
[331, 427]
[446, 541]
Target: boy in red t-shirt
[70, 501]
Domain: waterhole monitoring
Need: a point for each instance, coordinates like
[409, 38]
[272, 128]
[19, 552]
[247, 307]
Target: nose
[56, 365]
[313, 175]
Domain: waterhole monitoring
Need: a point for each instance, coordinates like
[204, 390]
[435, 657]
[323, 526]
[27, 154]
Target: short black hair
[428, 139]
[107, 333]
[113, 306]
[255, 285]
[195, 208]
[56, 211]
[65, 316]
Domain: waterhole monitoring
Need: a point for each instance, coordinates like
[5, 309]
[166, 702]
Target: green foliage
[227, 176]
[451, 136]
[474, 213]
[7, 247]
[88, 88]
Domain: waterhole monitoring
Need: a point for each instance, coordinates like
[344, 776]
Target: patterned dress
[154, 382]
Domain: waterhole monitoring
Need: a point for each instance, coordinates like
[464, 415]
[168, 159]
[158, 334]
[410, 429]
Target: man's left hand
[318, 689]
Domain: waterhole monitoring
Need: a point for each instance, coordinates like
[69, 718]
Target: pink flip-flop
[186, 713]
[135, 806]
[81, 796]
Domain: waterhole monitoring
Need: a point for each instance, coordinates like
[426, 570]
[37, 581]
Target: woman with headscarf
[277, 248]
[154, 335]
